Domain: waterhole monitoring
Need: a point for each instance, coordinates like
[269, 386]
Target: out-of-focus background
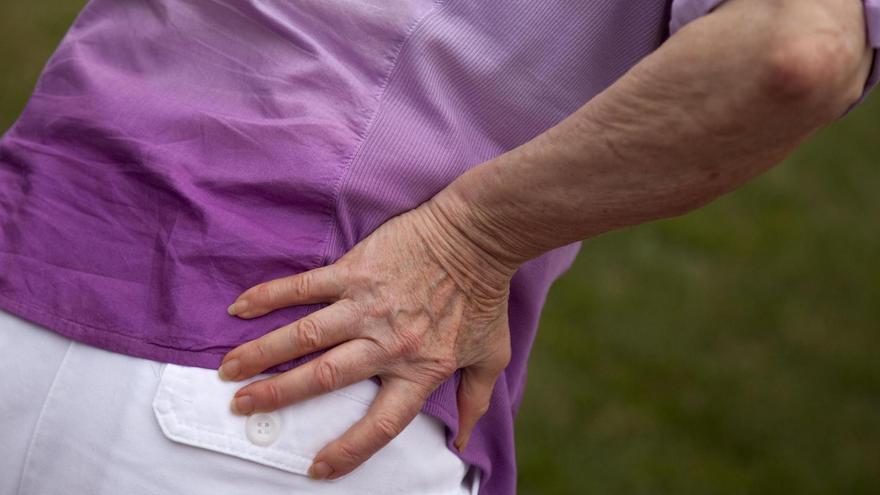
[735, 350]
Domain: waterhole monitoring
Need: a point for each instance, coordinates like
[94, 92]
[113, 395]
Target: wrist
[476, 272]
[475, 229]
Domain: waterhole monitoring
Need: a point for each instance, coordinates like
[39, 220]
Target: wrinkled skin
[411, 303]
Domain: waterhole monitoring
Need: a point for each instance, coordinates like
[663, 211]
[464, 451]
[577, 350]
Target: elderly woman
[384, 190]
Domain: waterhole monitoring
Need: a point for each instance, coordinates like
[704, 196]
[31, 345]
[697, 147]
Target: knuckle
[446, 366]
[265, 293]
[387, 426]
[307, 334]
[300, 285]
[379, 353]
[342, 272]
[408, 342]
[261, 350]
[371, 307]
[348, 452]
[355, 276]
[429, 378]
[433, 372]
[328, 375]
[272, 394]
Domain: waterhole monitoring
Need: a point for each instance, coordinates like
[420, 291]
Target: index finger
[322, 284]
[395, 406]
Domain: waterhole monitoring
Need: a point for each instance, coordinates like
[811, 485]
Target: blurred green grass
[734, 350]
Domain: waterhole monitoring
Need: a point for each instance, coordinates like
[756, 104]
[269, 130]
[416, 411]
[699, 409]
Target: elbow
[822, 73]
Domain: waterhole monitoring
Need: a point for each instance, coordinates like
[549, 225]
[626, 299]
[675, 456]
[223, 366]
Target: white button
[263, 428]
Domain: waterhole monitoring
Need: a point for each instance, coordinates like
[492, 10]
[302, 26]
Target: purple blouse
[177, 152]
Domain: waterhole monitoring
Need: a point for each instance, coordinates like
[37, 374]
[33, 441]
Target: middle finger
[326, 327]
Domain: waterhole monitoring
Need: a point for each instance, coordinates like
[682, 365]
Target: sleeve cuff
[685, 11]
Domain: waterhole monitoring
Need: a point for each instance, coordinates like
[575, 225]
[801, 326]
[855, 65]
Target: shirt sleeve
[685, 11]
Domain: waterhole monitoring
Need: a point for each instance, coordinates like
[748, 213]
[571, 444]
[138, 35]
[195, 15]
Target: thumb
[474, 396]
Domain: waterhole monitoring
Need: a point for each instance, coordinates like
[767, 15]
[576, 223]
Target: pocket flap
[192, 407]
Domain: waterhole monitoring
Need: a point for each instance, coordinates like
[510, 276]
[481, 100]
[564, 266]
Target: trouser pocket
[192, 407]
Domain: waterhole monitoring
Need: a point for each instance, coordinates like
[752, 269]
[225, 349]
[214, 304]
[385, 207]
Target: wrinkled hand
[411, 303]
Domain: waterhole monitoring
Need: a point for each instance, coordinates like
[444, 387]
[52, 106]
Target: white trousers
[75, 419]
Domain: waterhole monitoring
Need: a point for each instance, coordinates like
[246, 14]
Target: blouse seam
[368, 129]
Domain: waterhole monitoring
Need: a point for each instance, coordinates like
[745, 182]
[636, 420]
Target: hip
[79, 419]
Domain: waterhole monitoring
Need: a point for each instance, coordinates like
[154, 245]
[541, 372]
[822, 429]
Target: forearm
[723, 100]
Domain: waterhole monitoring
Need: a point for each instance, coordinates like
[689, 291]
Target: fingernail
[237, 307]
[243, 404]
[229, 370]
[320, 470]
